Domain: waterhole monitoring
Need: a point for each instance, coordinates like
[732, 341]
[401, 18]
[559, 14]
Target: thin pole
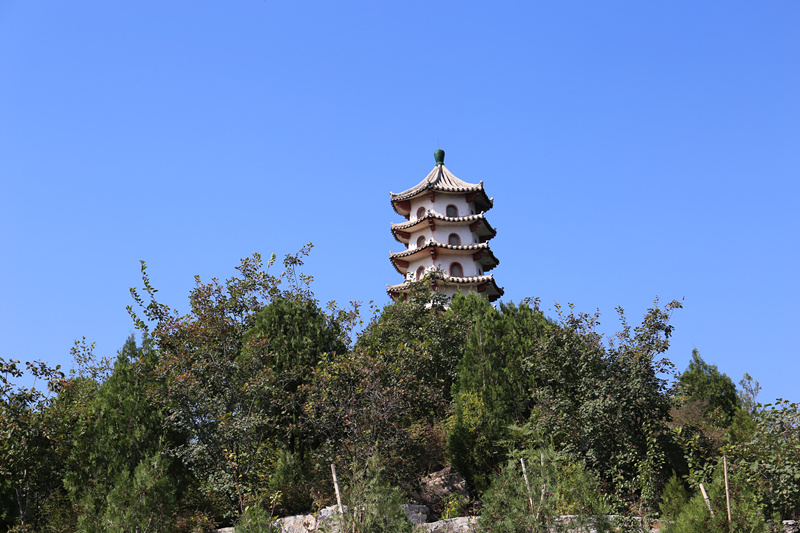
[705, 497]
[727, 491]
[544, 488]
[336, 486]
[525, 475]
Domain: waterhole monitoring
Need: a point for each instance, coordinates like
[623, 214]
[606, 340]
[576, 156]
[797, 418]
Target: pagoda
[446, 235]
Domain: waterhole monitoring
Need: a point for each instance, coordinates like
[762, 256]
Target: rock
[309, 522]
[416, 514]
[463, 524]
[437, 488]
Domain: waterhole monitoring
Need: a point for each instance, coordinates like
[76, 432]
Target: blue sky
[634, 150]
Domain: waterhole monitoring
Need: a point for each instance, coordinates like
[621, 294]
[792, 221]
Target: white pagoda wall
[441, 234]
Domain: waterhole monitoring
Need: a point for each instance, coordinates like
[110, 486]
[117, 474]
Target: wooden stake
[708, 501]
[727, 490]
[525, 475]
[336, 486]
[544, 489]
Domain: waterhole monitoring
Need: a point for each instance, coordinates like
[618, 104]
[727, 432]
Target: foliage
[28, 471]
[492, 387]
[673, 499]
[746, 513]
[748, 393]
[389, 395]
[117, 439]
[227, 371]
[703, 382]
[601, 402]
[554, 486]
[259, 517]
[141, 502]
[772, 456]
[373, 505]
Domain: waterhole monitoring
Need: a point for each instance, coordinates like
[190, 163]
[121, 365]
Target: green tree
[601, 401]
[550, 485]
[390, 394]
[772, 458]
[29, 471]
[747, 515]
[373, 505]
[221, 382]
[493, 386]
[702, 382]
[117, 444]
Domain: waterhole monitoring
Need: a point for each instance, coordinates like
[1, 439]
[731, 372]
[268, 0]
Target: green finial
[439, 155]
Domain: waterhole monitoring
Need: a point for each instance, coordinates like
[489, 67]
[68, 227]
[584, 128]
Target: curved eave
[482, 201]
[481, 253]
[441, 180]
[478, 224]
[481, 284]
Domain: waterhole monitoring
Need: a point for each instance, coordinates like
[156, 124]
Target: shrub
[554, 485]
[374, 506]
[746, 512]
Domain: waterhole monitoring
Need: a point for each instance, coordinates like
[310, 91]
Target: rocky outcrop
[440, 487]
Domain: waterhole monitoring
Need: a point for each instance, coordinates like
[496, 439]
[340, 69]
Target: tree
[117, 447]
[771, 458]
[704, 383]
[600, 401]
[493, 386]
[223, 368]
[27, 470]
[390, 394]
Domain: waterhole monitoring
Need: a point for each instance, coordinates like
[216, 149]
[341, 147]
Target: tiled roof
[442, 180]
[495, 291]
[437, 216]
[433, 215]
[462, 247]
[493, 261]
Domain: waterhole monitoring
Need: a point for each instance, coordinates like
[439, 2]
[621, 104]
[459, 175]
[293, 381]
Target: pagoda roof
[484, 230]
[485, 283]
[440, 179]
[480, 252]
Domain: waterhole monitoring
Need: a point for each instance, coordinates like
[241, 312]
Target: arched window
[454, 239]
[456, 271]
[452, 211]
[420, 212]
[420, 273]
[421, 241]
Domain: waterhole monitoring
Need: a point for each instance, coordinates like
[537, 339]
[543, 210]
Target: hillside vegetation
[238, 408]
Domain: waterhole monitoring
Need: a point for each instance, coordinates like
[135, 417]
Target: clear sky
[634, 150]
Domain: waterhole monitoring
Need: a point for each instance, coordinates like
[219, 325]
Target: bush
[673, 499]
[373, 505]
[259, 518]
[554, 486]
[746, 512]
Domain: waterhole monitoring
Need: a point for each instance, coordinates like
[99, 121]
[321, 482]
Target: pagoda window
[421, 241]
[456, 271]
[420, 273]
[420, 212]
[454, 239]
[452, 211]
